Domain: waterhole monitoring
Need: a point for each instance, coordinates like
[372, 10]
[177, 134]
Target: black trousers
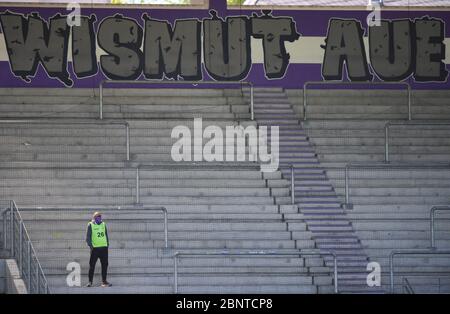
[102, 254]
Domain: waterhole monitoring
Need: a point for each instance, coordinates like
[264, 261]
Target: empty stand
[222, 206]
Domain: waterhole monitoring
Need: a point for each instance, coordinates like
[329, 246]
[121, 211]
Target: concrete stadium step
[202, 280]
[397, 131]
[192, 290]
[121, 91]
[264, 289]
[359, 175]
[208, 192]
[114, 290]
[371, 141]
[392, 215]
[413, 225]
[394, 183]
[129, 115]
[311, 216]
[157, 216]
[167, 125]
[379, 158]
[174, 211]
[72, 140]
[180, 244]
[178, 200]
[397, 191]
[138, 105]
[145, 183]
[362, 116]
[186, 262]
[398, 235]
[99, 201]
[415, 263]
[399, 243]
[400, 208]
[413, 200]
[150, 227]
[62, 157]
[320, 273]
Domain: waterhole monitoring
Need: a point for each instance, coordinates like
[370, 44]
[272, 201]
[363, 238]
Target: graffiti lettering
[159, 49]
[121, 38]
[430, 50]
[172, 52]
[398, 49]
[32, 41]
[84, 59]
[392, 50]
[274, 32]
[345, 45]
[227, 47]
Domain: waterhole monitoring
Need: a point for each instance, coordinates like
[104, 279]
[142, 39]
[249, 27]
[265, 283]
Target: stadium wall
[283, 48]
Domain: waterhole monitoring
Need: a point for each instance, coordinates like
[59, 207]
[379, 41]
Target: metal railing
[395, 253]
[292, 184]
[412, 166]
[407, 286]
[112, 208]
[292, 178]
[78, 122]
[433, 211]
[21, 248]
[299, 253]
[100, 108]
[305, 87]
[389, 124]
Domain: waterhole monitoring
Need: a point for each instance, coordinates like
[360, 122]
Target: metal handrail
[390, 123]
[407, 286]
[430, 276]
[106, 208]
[354, 83]
[23, 232]
[255, 253]
[410, 252]
[100, 108]
[63, 122]
[292, 184]
[292, 168]
[349, 166]
[433, 211]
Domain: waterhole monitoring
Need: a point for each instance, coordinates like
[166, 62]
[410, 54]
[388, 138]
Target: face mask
[98, 220]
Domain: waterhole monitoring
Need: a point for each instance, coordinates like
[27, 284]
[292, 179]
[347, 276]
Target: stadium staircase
[318, 202]
[391, 204]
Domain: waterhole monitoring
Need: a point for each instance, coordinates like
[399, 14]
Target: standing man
[98, 242]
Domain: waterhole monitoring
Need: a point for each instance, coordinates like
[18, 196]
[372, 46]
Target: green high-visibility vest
[98, 235]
